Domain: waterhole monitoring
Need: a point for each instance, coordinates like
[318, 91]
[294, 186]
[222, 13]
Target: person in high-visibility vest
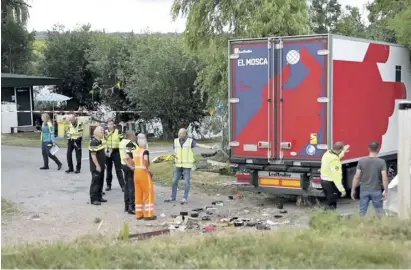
[47, 141]
[184, 162]
[97, 159]
[113, 137]
[331, 174]
[74, 136]
[143, 182]
[128, 145]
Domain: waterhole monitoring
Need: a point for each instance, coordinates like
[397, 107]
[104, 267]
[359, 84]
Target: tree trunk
[167, 129]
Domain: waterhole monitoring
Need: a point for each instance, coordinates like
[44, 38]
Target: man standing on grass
[371, 174]
[184, 162]
[97, 165]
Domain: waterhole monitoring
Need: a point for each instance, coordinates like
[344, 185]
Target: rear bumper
[284, 191]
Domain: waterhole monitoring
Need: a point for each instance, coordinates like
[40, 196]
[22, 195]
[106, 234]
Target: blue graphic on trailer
[298, 73]
[251, 76]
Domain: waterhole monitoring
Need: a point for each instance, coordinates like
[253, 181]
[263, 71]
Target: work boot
[126, 208]
[102, 200]
[77, 171]
[69, 171]
[96, 203]
[131, 211]
[108, 188]
[150, 218]
[59, 166]
[122, 189]
[140, 218]
[44, 168]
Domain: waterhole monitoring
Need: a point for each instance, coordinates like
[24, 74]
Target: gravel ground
[54, 205]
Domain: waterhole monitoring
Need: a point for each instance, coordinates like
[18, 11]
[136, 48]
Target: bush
[330, 242]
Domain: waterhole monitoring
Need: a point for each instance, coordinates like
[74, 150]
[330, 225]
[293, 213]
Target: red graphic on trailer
[363, 102]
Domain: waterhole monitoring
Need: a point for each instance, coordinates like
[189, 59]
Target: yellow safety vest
[124, 149]
[331, 169]
[75, 132]
[97, 148]
[184, 154]
[51, 130]
[113, 139]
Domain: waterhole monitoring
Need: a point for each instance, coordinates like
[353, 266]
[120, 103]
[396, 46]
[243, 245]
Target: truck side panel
[302, 118]
[368, 78]
[250, 85]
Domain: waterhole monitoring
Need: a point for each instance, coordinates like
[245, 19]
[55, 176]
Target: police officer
[331, 174]
[113, 137]
[74, 136]
[97, 159]
[127, 147]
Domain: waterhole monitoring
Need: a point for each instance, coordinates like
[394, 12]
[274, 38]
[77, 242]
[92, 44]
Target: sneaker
[44, 168]
[170, 200]
[108, 188]
[102, 200]
[59, 166]
[69, 171]
[183, 201]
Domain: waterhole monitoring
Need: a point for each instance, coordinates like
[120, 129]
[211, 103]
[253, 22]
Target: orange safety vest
[139, 163]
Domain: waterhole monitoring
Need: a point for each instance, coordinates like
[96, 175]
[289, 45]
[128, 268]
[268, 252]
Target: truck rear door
[251, 98]
[302, 107]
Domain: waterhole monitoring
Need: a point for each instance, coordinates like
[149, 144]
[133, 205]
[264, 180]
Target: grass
[7, 207]
[329, 243]
[32, 139]
[208, 182]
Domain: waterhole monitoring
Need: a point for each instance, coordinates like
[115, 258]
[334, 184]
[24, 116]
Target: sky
[114, 15]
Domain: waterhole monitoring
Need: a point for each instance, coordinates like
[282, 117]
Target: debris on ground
[209, 228]
[163, 158]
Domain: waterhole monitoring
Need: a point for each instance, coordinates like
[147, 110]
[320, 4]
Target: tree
[162, 84]
[109, 61]
[324, 15]
[65, 57]
[350, 23]
[16, 42]
[400, 24]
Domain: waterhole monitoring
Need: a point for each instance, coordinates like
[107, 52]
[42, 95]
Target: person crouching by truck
[331, 174]
[127, 147]
[143, 182]
[47, 142]
[97, 159]
[113, 137]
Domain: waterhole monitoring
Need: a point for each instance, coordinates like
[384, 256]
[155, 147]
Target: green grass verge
[328, 243]
[7, 207]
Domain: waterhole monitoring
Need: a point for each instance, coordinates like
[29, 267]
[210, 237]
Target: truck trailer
[291, 98]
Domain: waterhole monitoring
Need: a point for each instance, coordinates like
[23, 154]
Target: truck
[292, 97]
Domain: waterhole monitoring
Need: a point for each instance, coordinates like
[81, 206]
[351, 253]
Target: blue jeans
[186, 172]
[375, 196]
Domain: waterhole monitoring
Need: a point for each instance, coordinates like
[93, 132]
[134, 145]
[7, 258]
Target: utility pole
[404, 158]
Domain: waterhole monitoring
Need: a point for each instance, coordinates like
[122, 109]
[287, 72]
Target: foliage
[324, 15]
[17, 10]
[351, 23]
[65, 57]
[8, 207]
[400, 24]
[354, 243]
[162, 83]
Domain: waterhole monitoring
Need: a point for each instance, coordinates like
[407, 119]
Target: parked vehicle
[291, 98]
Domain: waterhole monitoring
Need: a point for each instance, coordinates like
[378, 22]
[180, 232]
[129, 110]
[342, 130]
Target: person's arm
[345, 150]
[384, 175]
[194, 144]
[93, 148]
[335, 168]
[355, 180]
[51, 130]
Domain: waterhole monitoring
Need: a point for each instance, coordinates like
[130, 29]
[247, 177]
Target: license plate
[316, 185]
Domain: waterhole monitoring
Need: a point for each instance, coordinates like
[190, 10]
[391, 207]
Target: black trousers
[114, 158]
[331, 193]
[129, 193]
[45, 151]
[96, 186]
[76, 146]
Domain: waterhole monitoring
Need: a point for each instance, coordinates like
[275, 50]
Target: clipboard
[54, 149]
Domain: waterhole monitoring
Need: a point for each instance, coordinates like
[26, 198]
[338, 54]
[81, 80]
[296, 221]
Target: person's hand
[384, 195]
[353, 194]
[98, 168]
[346, 148]
[343, 194]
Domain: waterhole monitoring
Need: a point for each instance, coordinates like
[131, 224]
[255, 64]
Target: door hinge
[279, 45]
[322, 52]
[234, 56]
[234, 100]
[323, 99]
